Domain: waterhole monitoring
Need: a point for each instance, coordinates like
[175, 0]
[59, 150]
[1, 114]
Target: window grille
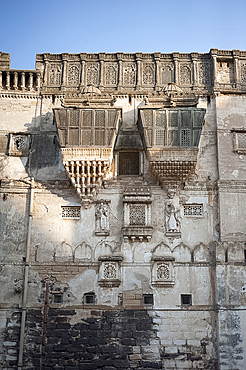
[241, 137]
[185, 137]
[71, 212]
[137, 214]
[160, 137]
[193, 210]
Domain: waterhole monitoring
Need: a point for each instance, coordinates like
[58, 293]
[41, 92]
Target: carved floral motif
[110, 270]
[162, 272]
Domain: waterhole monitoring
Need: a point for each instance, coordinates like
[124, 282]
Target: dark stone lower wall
[97, 339]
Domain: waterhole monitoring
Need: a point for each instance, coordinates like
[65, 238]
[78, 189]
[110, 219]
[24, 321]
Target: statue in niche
[102, 219]
[172, 220]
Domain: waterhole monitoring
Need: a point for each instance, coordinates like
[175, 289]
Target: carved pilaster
[214, 58]
[82, 83]
[176, 68]
[102, 73]
[120, 73]
[139, 73]
[46, 64]
[157, 71]
[64, 70]
[38, 83]
[195, 74]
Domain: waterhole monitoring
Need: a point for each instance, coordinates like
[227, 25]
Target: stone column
[15, 82]
[214, 59]
[23, 81]
[194, 57]
[8, 80]
[1, 80]
[176, 68]
[236, 67]
[102, 73]
[64, 71]
[30, 85]
[45, 70]
[139, 71]
[82, 80]
[157, 71]
[120, 78]
[38, 81]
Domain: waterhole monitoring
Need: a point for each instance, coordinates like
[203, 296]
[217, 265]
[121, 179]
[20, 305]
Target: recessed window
[89, 298]
[186, 299]
[57, 298]
[129, 163]
[148, 299]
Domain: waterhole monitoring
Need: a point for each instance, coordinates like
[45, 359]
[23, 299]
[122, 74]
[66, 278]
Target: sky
[30, 27]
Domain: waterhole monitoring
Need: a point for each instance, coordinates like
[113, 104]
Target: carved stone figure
[102, 218]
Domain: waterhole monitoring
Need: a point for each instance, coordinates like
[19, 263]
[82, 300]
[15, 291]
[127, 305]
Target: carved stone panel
[111, 73]
[225, 72]
[185, 74]
[73, 75]
[109, 271]
[204, 76]
[148, 74]
[163, 272]
[167, 74]
[243, 72]
[129, 74]
[92, 74]
[55, 75]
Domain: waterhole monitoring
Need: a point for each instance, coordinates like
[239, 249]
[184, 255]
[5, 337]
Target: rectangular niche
[110, 271]
[162, 271]
[19, 144]
[239, 140]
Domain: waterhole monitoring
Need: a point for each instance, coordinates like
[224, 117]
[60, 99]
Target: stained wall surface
[122, 215]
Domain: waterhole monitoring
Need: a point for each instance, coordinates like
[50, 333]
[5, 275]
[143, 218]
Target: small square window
[57, 298]
[89, 298]
[148, 299]
[186, 299]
